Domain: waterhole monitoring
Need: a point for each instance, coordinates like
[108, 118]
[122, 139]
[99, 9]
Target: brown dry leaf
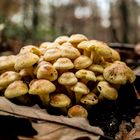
[50, 127]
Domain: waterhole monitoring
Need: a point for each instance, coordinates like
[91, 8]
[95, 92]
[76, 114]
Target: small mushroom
[60, 101]
[85, 75]
[49, 45]
[107, 91]
[47, 71]
[8, 77]
[16, 89]
[100, 48]
[83, 46]
[80, 89]
[82, 62]
[42, 88]
[7, 62]
[96, 68]
[52, 54]
[25, 60]
[61, 39]
[67, 50]
[77, 111]
[38, 65]
[119, 73]
[75, 39]
[63, 64]
[67, 79]
[89, 100]
[30, 48]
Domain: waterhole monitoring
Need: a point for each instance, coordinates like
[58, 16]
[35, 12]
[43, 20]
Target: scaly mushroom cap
[47, 71]
[77, 38]
[63, 64]
[41, 86]
[89, 99]
[61, 39]
[82, 62]
[52, 54]
[60, 100]
[77, 111]
[16, 89]
[85, 75]
[30, 48]
[8, 77]
[67, 78]
[67, 50]
[107, 91]
[80, 88]
[96, 68]
[119, 73]
[25, 60]
[7, 62]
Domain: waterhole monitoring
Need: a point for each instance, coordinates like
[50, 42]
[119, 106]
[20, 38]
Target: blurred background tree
[33, 21]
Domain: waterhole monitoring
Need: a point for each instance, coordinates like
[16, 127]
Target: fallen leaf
[51, 127]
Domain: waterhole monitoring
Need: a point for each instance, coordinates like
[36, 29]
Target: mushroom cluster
[71, 74]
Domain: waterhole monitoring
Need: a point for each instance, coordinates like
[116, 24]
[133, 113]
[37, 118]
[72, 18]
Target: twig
[122, 45]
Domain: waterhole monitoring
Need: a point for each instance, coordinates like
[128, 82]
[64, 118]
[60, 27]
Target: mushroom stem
[92, 55]
[78, 97]
[86, 53]
[45, 99]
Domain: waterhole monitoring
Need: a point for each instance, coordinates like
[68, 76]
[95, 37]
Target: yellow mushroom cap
[80, 88]
[82, 62]
[40, 64]
[25, 60]
[16, 89]
[89, 99]
[52, 54]
[100, 78]
[41, 86]
[99, 47]
[49, 45]
[115, 56]
[119, 73]
[96, 68]
[8, 77]
[7, 62]
[85, 75]
[67, 78]
[63, 64]
[77, 38]
[67, 50]
[60, 100]
[62, 39]
[31, 48]
[77, 111]
[107, 91]
[47, 71]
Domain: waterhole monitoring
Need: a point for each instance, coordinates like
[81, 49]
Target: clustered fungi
[58, 73]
